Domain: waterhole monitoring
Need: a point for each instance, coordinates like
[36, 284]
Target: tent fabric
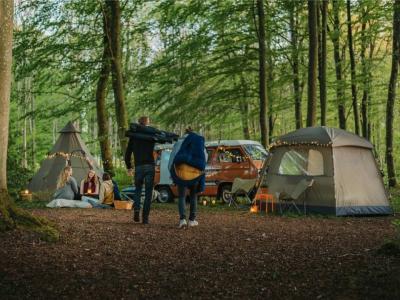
[69, 145]
[358, 182]
[323, 135]
[346, 178]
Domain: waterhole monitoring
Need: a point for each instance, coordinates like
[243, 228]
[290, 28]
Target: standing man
[142, 150]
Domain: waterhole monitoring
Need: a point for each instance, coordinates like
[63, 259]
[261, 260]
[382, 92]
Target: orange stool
[268, 198]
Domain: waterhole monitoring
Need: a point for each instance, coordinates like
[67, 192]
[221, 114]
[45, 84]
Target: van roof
[231, 143]
[214, 144]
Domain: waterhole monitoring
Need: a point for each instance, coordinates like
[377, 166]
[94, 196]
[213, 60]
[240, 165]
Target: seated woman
[90, 185]
[67, 187]
[106, 195]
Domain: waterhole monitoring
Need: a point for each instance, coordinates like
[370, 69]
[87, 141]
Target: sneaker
[136, 216]
[182, 223]
[193, 223]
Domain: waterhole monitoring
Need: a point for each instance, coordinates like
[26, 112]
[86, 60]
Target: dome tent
[346, 179]
[68, 150]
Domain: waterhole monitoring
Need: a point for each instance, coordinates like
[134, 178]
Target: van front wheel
[225, 193]
[165, 194]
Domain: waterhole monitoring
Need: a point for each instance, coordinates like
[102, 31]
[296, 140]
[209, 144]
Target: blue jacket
[191, 152]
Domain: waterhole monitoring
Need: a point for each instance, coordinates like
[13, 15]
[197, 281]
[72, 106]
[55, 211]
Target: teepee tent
[68, 150]
[341, 166]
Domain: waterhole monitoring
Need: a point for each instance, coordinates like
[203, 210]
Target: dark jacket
[191, 152]
[142, 151]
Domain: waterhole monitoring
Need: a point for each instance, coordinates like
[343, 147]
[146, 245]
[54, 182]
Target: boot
[145, 218]
[136, 216]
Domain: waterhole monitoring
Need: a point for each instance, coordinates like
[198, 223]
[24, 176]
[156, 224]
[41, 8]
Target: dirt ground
[102, 254]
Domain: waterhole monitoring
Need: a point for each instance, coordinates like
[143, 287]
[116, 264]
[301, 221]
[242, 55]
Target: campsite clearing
[232, 254]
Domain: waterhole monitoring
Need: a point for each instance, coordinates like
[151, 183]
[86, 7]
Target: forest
[261, 75]
[202, 63]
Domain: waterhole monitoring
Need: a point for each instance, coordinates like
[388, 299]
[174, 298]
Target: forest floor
[102, 254]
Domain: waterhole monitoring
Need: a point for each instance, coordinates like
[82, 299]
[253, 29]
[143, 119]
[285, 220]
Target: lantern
[254, 209]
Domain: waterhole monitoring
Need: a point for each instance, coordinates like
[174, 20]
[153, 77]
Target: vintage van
[227, 159]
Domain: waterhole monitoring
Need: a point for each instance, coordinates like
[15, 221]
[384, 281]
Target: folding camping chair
[129, 192]
[246, 187]
[241, 187]
[287, 200]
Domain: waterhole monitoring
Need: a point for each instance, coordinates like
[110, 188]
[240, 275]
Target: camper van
[227, 159]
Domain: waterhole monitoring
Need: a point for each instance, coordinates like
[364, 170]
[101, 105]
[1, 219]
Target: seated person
[106, 195]
[90, 185]
[117, 194]
[67, 188]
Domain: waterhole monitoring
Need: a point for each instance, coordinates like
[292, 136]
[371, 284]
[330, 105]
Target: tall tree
[392, 94]
[6, 37]
[312, 66]
[244, 110]
[338, 66]
[116, 70]
[353, 70]
[101, 95]
[322, 61]
[295, 46]
[10, 215]
[262, 78]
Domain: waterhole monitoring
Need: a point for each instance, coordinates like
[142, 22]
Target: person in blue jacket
[189, 150]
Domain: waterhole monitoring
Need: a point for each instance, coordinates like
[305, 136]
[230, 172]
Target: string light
[228, 154]
[68, 156]
[302, 143]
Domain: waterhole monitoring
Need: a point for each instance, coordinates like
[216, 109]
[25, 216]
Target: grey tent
[341, 166]
[69, 149]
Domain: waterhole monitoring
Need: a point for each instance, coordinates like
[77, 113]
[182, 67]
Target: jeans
[182, 202]
[144, 174]
[94, 202]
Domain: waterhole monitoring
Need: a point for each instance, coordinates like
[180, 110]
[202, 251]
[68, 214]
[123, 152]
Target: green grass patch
[122, 178]
[395, 199]
[31, 204]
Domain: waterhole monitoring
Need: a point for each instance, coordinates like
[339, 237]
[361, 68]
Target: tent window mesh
[302, 162]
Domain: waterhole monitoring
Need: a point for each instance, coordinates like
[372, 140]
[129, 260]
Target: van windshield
[256, 152]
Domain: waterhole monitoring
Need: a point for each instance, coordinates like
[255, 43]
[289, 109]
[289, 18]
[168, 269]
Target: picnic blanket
[56, 203]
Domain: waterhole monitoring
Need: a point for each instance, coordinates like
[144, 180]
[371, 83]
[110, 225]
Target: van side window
[209, 153]
[230, 155]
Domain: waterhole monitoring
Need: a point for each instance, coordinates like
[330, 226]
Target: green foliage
[122, 178]
[17, 176]
[185, 63]
[395, 199]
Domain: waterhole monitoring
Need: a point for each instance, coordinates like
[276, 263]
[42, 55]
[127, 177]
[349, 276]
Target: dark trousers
[182, 202]
[144, 174]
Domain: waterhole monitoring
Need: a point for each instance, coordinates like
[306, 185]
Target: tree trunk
[322, 61]
[392, 94]
[293, 15]
[6, 36]
[32, 126]
[338, 67]
[244, 109]
[365, 72]
[353, 71]
[312, 67]
[101, 93]
[116, 70]
[24, 132]
[262, 79]
[11, 216]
